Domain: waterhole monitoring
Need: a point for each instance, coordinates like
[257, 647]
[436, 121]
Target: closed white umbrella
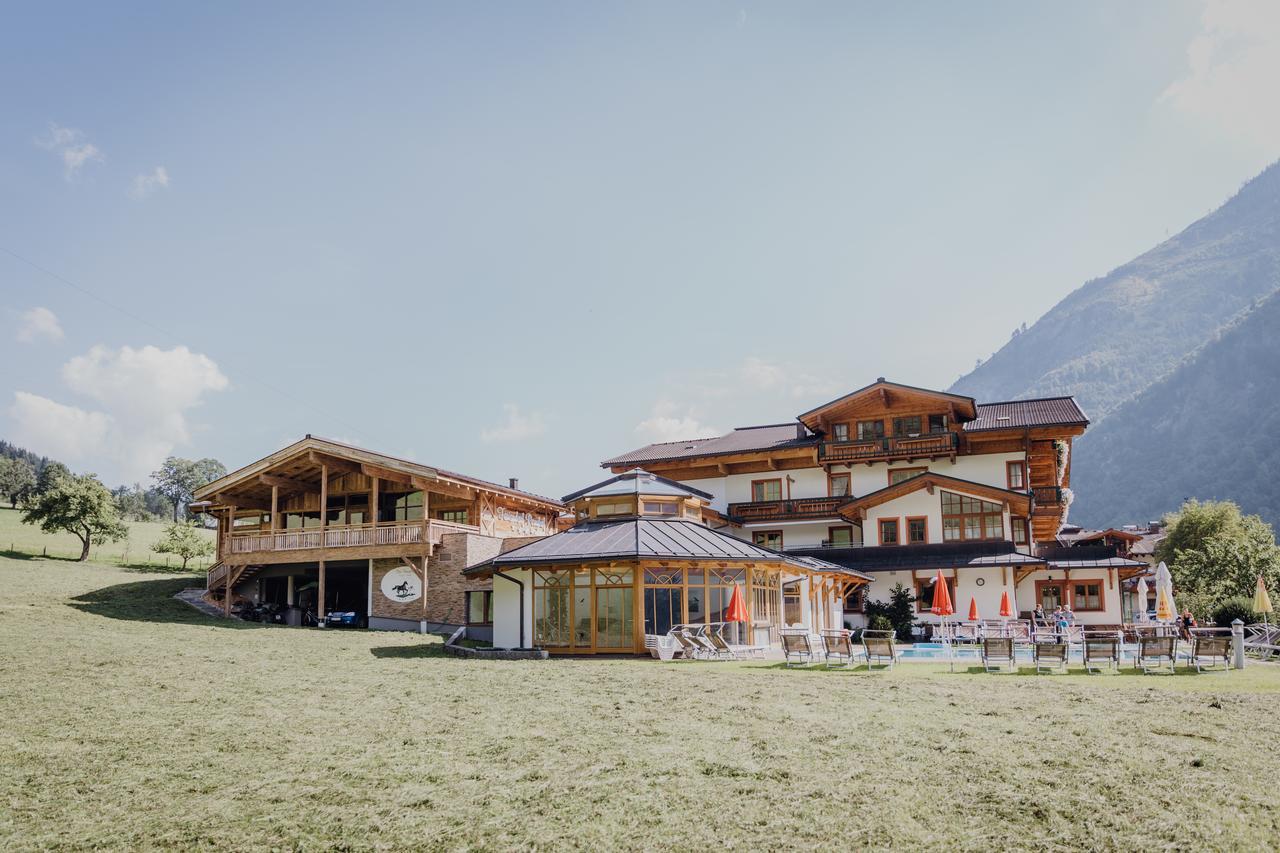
[1166, 610]
[1141, 615]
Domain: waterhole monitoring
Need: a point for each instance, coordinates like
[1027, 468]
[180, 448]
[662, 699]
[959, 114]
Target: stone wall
[446, 599]
[389, 607]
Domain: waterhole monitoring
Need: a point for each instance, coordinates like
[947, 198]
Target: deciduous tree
[17, 479]
[1215, 552]
[178, 478]
[81, 506]
[186, 540]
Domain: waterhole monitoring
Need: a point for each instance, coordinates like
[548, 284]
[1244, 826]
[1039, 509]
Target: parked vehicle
[345, 619]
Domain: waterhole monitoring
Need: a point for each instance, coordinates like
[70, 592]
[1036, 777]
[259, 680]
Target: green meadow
[133, 721]
[24, 540]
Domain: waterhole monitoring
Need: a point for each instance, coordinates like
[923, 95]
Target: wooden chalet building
[321, 526]
[897, 482]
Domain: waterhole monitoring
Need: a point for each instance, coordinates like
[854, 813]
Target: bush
[879, 623]
[1235, 608]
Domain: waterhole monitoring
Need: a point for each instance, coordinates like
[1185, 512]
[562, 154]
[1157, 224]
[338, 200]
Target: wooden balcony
[923, 446]
[345, 536]
[1046, 496]
[792, 510]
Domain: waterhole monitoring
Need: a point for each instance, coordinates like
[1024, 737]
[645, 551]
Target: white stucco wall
[506, 609]
[796, 534]
[917, 503]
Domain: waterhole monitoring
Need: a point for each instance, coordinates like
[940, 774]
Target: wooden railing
[215, 575]
[346, 536]
[1047, 496]
[790, 509]
[898, 446]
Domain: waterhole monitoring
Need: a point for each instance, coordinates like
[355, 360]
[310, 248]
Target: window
[347, 509]
[937, 423]
[838, 485]
[1016, 474]
[924, 593]
[839, 432]
[661, 508]
[615, 508]
[917, 530]
[1019, 526]
[906, 426]
[457, 516]
[853, 599]
[888, 528]
[407, 507]
[768, 539]
[966, 519]
[870, 429]
[897, 475]
[1086, 595]
[479, 607]
[766, 490]
[840, 537]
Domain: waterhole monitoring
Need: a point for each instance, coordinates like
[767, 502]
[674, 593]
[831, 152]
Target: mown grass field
[18, 539]
[131, 720]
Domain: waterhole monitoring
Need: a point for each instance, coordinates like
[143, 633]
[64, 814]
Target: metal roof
[646, 538]
[1017, 414]
[962, 555]
[638, 482]
[741, 440]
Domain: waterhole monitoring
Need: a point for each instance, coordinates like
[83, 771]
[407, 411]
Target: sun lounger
[796, 648]
[694, 645]
[1212, 653]
[970, 632]
[1153, 652]
[837, 644]
[879, 648]
[1050, 656]
[997, 653]
[1020, 631]
[663, 647]
[732, 652]
[1100, 652]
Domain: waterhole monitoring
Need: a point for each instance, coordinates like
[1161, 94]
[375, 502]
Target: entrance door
[615, 613]
[1052, 595]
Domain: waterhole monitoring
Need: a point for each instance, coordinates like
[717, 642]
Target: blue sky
[514, 239]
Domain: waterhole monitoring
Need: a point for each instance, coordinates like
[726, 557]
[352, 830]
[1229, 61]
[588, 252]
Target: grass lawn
[131, 720]
[18, 540]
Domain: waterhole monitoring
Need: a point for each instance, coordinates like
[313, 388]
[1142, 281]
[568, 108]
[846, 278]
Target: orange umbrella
[737, 609]
[973, 610]
[941, 597]
[1006, 609]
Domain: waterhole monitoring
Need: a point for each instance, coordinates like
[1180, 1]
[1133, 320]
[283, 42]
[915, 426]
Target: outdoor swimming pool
[938, 652]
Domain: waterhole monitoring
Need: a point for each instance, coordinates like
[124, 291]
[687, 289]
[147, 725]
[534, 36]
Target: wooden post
[324, 521]
[227, 578]
[373, 505]
[320, 596]
[275, 508]
[426, 521]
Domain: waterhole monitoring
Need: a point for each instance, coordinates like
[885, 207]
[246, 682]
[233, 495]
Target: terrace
[890, 448]
[786, 510]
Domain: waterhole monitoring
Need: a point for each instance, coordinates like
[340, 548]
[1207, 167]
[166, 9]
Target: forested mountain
[1116, 335]
[1175, 357]
[1208, 430]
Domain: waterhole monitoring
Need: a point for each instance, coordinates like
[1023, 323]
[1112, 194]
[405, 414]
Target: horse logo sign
[401, 584]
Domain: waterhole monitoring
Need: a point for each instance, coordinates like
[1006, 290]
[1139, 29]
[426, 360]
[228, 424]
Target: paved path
[195, 597]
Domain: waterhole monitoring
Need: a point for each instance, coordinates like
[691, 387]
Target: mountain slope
[1117, 334]
[1210, 429]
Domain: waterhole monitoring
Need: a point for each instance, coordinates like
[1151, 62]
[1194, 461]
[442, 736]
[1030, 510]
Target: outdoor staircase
[216, 579]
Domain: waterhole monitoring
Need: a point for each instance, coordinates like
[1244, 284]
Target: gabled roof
[1019, 501]
[1021, 414]
[638, 482]
[349, 452]
[965, 405]
[741, 440]
[645, 538]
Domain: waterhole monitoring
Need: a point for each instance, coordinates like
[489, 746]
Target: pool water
[938, 652]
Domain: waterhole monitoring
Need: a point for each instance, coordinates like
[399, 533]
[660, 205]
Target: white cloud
[515, 426]
[70, 144]
[1233, 65]
[760, 375]
[39, 323]
[145, 185]
[144, 397]
[669, 422]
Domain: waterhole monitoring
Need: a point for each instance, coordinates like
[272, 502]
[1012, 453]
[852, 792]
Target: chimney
[513, 483]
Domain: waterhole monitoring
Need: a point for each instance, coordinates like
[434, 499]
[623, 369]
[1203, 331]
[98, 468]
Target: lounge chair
[1153, 652]
[692, 649]
[970, 632]
[1020, 631]
[1050, 656]
[837, 644]
[663, 647]
[732, 652]
[796, 649]
[1210, 652]
[997, 652]
[879, 647]
[1101, 651]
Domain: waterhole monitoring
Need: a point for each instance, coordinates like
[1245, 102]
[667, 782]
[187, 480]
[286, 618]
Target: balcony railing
[889, 447]
[1047, 496]
[346, 536]
[786, 510]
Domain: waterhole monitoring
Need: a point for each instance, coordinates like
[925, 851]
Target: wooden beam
[275, 481]
[373, 500]
[333, 463]
[452, 490]
[387, 474]
[275, 506]
[320, 594]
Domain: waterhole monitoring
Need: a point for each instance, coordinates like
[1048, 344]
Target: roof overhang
[885, 392]
[1019, 503]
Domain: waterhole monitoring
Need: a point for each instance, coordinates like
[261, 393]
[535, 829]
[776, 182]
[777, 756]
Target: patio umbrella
[973, 609]
[1262, 601]
[1006, 607]
[941, 597]
[737, 609]
[1141, 615]
[1166, 611]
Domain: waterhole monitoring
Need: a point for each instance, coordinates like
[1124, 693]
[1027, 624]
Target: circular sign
[980, 581]
[401, 584]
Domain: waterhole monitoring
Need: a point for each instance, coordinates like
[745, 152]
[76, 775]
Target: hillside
[1207, 430]
[1115, 335]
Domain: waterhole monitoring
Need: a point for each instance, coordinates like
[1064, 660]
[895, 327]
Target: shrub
[879, 623]
[1235, 608]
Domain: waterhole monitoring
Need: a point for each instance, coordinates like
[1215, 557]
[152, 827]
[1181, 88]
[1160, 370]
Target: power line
[174, 339]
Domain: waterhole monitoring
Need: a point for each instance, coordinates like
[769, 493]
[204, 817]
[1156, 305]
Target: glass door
[1052, 596]
[614, 610]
